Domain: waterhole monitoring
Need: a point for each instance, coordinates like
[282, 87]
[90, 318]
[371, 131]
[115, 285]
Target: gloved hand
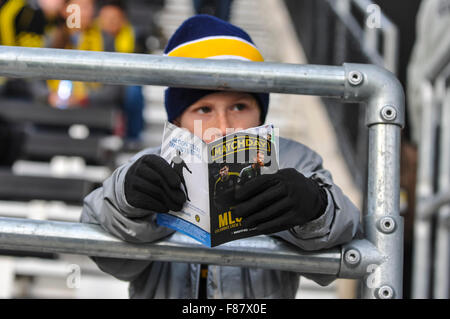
[279, 201]
[152, 184]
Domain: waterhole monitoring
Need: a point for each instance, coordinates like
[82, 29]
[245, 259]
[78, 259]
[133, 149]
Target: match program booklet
[210, 176]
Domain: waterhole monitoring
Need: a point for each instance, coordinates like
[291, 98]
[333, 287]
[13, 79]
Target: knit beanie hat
[208, 37]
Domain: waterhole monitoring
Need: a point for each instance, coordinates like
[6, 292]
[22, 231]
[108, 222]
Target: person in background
[29, 23]
[83, 36]
[51, 10]
[26, 24]
[109, 31]
[119, 36]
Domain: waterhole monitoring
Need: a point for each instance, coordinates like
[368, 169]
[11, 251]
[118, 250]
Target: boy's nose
[223, 124]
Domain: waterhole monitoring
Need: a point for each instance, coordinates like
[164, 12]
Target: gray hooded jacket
[108, 207]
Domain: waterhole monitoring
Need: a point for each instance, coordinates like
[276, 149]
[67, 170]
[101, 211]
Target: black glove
[280, 201]
[152, 184]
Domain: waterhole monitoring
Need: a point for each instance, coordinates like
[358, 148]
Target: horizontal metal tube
[146, 69]
[92, 240]
[429, 206]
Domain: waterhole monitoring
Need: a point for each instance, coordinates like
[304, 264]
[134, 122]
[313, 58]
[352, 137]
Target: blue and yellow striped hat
[207, 37]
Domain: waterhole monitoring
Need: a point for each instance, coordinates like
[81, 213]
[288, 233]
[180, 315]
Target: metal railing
[336, 31]
[378, 258]
[431, 255]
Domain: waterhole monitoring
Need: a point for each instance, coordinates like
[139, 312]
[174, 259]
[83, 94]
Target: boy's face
[220, 113]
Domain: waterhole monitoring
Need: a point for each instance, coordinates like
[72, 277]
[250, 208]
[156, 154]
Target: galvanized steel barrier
[377, 260]
[431, 255]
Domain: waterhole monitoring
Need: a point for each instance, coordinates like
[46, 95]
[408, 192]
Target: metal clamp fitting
[389, 113]
[385, 292]
[355, 78]
[352, 257]
[386, 225]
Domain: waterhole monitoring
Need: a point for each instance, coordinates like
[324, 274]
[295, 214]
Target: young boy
[299, 203]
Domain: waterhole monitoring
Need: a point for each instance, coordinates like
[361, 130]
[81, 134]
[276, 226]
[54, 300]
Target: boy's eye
[204, 109]
[239, 107]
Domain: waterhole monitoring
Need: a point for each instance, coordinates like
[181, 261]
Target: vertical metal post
[391, 50]
[371, 41]
[441, 258]
[441, 272]
[340, 44]
[424, 191]
[382, 221]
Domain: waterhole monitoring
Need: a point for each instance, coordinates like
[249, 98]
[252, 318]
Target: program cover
[211, 174]
[233, 161]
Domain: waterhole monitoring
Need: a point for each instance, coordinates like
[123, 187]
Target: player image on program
[224, 187]
[177, 163]
[254, 169]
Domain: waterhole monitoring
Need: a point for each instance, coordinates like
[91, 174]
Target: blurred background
[60, 139]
